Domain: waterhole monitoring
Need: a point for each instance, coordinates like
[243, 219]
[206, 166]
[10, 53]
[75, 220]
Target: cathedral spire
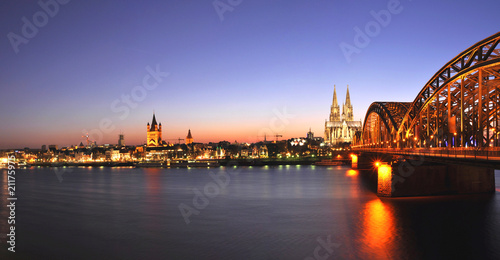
[153, 123]
[347, 97]
[335, 109]
[189, 137]
[347, 113]
[334, 103]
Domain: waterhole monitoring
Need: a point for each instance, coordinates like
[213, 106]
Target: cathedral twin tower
[341, 128]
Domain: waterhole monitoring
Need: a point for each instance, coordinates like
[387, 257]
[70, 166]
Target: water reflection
[352, 173]
[153, 184]
[378, 230]
[273, 213]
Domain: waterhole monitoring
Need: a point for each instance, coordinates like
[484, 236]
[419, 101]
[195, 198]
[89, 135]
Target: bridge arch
[458, 107]
[382, 122]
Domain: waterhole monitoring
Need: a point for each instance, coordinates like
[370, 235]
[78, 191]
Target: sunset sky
[231, 74]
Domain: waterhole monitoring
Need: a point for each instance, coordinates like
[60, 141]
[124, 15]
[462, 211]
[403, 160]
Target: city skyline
[222, 75]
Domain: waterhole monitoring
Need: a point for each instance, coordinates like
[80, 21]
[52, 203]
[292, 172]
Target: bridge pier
[367, 161]
[403, 179]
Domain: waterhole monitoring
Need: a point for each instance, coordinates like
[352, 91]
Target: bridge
[454, 120]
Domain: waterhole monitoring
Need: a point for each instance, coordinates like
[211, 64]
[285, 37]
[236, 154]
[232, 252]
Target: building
[112, 155]
[53, 147]
[189, 137]
[310, 135]
[154, 133]
[339, 128]
[121, 140]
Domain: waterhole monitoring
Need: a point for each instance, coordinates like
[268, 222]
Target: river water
[279, 212]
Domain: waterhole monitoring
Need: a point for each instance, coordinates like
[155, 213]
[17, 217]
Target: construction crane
[178, 140]
[275, 136]
[88, 139]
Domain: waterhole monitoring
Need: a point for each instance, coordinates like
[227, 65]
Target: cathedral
[341, 128]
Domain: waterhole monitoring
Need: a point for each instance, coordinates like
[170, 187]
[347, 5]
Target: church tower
[347, 113]
[154, 133]
[335, 108]
[189, 137]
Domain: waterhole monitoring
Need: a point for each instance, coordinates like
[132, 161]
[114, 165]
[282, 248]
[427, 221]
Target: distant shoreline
[222, 162]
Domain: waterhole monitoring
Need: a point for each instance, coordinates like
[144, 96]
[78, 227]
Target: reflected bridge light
[352, 173]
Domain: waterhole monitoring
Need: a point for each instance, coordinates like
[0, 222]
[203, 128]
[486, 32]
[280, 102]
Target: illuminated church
[154, 134]
[341, 128]
[189, 138]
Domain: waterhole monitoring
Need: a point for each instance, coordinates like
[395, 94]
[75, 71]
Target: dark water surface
[283, 212]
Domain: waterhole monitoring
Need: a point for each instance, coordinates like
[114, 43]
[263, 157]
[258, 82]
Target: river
[279, 212]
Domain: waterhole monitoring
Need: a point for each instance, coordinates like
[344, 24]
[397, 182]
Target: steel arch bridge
[458, 107]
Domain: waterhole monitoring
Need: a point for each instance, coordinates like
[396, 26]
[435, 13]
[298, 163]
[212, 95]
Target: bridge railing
[490, 153]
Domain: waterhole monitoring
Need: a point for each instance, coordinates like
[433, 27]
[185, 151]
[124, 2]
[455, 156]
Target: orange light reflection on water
[379, 228]
[352, 173]
[153, 184]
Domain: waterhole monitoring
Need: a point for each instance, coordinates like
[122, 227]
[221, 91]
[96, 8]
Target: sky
[232, 70]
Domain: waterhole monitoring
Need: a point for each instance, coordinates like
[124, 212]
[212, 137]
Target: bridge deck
[486, 156]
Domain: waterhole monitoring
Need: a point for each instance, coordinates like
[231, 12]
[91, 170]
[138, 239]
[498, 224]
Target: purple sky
[227, 77]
